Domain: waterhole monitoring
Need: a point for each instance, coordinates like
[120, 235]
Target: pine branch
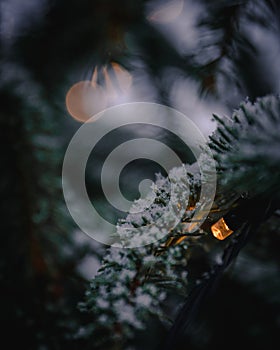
[228, 53]
[253, 157]
[254, 122]
[133, 284]
[202, 291]
[207, 285]
[128, 278]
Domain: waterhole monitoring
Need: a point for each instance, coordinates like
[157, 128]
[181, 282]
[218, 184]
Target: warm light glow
[195, 225]
[180, 239]
[174, 240]
[94, 76]
[167, 12]
[123, 76]
[221, 230]
[117, 81]
[84, 99]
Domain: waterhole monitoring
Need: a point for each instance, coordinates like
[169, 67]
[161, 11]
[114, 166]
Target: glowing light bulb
[221, 230]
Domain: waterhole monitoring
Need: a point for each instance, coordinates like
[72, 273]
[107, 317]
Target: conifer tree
[188, 289]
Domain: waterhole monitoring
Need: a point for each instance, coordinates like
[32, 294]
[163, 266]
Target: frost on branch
[134, 284]
[247, 148]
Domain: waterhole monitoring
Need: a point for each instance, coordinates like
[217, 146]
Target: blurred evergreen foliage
[39, 282]
[47, 46]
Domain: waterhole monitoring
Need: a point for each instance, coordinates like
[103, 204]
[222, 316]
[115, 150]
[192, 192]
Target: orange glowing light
[195, 224]
[191, 208]
[117, 81]
[180, 239]
[221, 230]
[174, 241]
[167, 12]
[84, 99]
